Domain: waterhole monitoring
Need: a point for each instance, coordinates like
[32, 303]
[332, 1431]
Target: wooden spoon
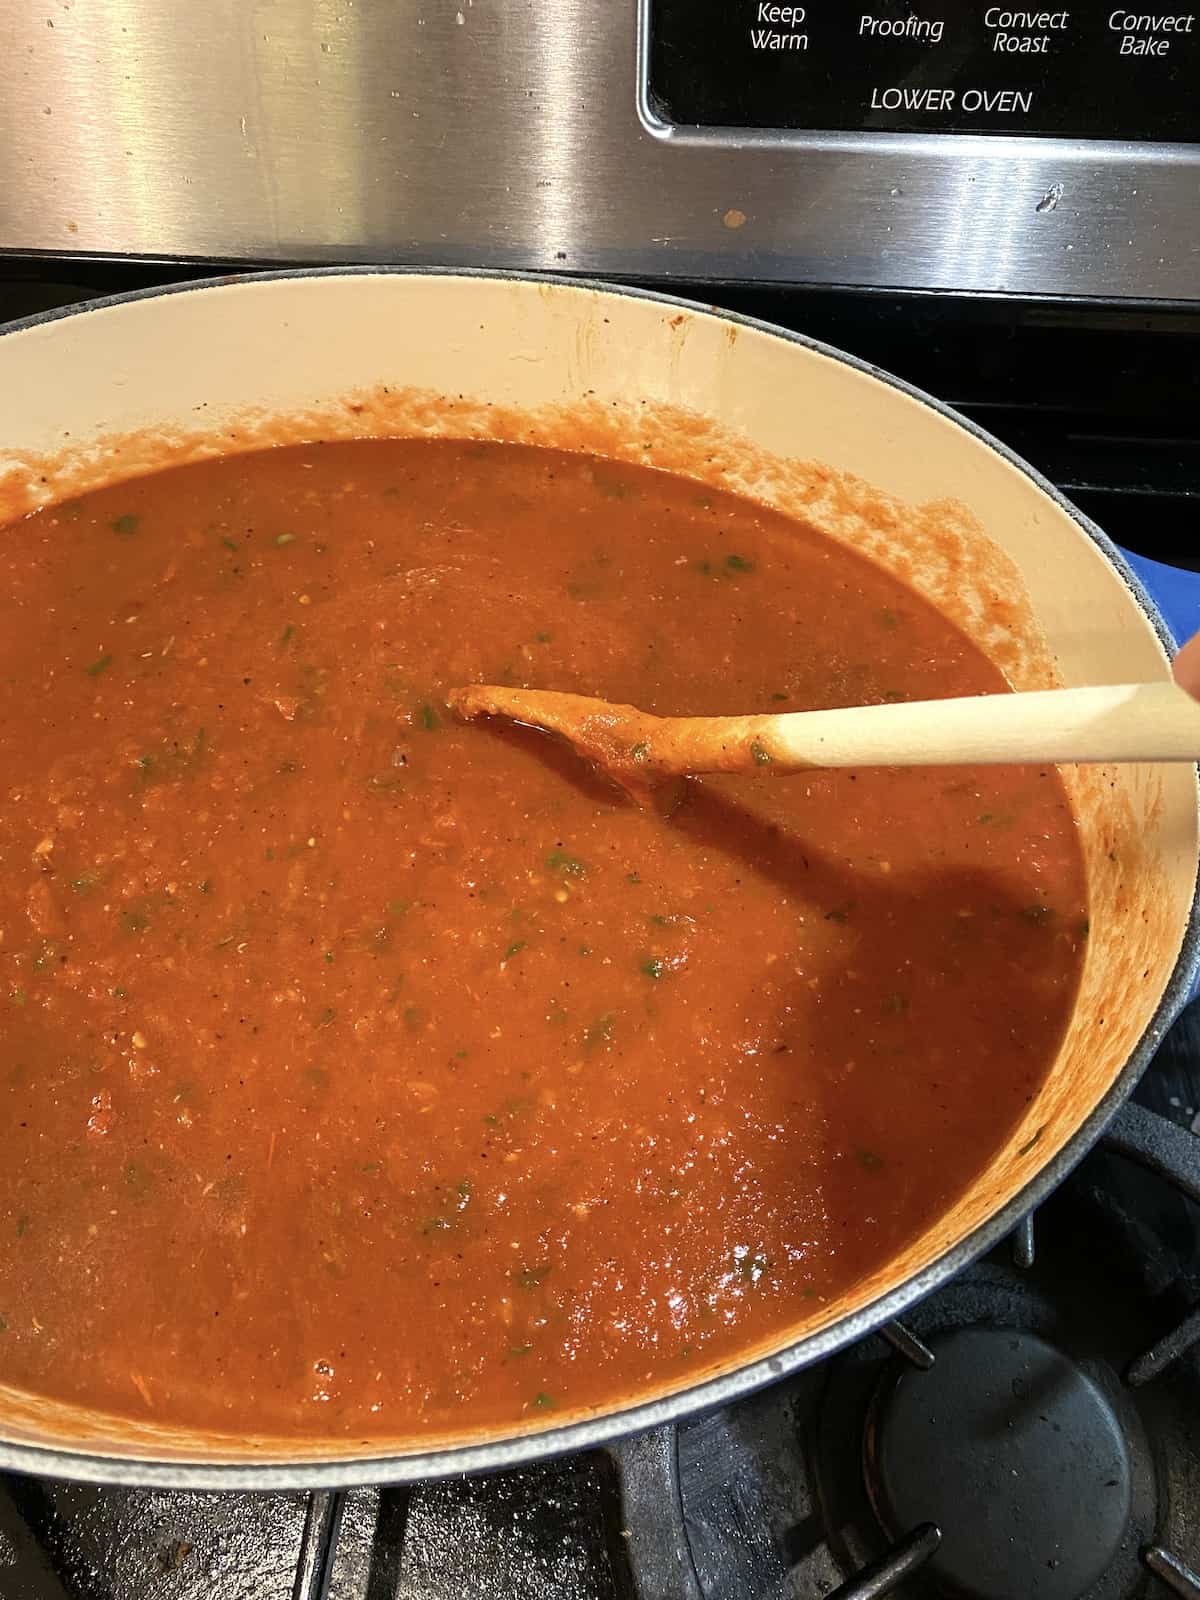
[1122, 722]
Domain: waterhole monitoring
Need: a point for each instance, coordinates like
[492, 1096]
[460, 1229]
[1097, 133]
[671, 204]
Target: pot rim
[605, 1428]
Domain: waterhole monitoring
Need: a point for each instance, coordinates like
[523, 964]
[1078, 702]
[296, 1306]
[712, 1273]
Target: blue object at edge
[1175, 592]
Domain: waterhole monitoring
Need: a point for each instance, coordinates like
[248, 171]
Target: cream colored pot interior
[129, 387]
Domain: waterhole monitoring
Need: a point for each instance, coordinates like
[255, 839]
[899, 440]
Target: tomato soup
[371, 1075]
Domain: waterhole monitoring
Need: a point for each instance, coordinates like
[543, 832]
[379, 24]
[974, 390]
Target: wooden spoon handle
[1121, 722]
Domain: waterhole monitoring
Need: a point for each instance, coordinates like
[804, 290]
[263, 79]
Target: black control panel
[935, 66]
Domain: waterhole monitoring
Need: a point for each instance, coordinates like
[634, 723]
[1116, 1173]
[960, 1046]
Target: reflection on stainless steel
[506, 133]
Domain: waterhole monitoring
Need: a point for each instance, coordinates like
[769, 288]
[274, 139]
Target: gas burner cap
[1017, 1455]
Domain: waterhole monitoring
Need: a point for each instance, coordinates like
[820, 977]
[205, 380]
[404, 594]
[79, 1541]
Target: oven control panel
[1089, 70]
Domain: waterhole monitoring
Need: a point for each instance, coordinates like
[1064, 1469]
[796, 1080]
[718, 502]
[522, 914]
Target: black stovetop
[1053, 1442]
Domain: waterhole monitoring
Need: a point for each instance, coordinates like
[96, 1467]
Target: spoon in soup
[648, 755]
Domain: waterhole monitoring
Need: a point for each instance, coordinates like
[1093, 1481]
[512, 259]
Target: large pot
[129, 383]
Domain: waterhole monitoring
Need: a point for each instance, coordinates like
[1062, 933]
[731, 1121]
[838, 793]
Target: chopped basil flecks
[723, 569]
[599, 1032]
[570, 866]
[748, 1267]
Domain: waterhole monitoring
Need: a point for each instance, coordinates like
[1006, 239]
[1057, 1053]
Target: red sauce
[369, 1074]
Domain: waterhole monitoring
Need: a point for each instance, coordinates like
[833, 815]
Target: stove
[996, 204]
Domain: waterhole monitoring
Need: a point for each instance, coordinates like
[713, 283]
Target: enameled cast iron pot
[131, 383]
